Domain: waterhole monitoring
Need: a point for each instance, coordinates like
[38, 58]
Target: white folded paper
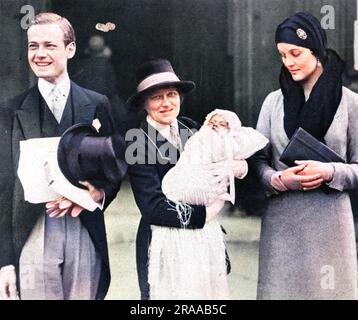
[41, 177]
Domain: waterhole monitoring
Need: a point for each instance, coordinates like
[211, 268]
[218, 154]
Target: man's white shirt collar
[46, 87]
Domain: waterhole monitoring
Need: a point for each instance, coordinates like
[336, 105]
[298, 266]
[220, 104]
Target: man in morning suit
[63, 254]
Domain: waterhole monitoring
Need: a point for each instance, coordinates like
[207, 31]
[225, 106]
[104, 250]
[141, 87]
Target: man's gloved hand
[96, 194]
[57, 209]
[8, 289]
[64, 206]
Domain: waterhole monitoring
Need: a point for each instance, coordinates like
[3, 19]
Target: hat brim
[184, 87]
[68, 151]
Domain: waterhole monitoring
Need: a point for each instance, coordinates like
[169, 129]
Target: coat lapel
[83, 109]
[28, 115]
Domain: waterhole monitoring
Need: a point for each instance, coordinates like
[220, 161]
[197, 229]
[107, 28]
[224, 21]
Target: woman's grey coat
[307, 245]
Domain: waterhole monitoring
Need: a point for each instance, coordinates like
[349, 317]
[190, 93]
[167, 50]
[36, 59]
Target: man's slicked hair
[53, 18]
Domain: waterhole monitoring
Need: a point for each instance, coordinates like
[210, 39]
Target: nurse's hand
[226, 167]
[214, 208]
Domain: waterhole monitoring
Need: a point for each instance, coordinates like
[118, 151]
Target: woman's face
[299, 61]
[163, 105]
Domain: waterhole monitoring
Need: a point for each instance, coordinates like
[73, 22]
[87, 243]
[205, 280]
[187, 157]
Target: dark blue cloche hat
[85, 156]
[156, 74]
[304, 30]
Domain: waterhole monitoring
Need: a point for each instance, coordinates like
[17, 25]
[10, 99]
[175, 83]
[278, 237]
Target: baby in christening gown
[209, 156]
[191, 263]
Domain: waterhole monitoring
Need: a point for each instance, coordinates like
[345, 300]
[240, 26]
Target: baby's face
[218, 123]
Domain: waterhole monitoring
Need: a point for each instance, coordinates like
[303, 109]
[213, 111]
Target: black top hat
[156, 74]
[85, 156]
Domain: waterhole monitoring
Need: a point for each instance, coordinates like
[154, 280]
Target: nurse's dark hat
[156, 74]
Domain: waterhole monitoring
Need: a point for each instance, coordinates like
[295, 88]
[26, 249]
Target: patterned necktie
[56, 104]
[175, 138]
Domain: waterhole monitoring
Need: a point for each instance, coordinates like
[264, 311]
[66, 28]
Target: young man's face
[47, 53]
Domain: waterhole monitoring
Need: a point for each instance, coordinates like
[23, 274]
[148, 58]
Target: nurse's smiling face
[163, 105]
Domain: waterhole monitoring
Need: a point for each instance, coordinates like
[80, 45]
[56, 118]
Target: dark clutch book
[303, 146]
